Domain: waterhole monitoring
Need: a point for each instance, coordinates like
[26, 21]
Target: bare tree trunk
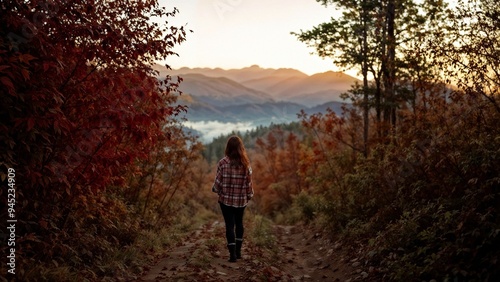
[378, 106]
[366, 107]
[391, 56]
[388, 67]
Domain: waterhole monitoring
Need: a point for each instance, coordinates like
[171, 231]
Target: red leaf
[46, 66]
[3, 67]
[26, 58]
[26, 74]
[31, 123]
[8, 83]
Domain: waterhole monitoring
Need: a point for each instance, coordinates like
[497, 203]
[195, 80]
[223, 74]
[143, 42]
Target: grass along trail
[269, 253]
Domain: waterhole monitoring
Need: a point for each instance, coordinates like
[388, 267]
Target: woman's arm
[249, 184]
[218, 180]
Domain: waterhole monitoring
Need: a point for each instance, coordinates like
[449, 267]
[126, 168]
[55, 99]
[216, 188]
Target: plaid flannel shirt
[233, 184]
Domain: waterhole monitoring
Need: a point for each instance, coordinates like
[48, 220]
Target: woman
[233, 184]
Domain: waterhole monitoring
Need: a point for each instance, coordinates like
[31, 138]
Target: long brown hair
[236, 152]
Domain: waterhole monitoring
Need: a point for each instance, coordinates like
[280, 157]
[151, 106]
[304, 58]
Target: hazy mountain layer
[256, 95]
[258, 85]
[221, 91]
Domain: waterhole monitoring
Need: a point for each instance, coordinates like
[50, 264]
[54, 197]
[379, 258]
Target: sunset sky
[240, 33]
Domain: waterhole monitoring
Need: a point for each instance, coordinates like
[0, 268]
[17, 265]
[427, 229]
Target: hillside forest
[99, 176]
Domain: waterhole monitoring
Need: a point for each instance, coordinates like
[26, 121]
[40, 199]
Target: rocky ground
[288, 253]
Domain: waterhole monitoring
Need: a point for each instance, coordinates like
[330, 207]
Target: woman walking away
[233, 184]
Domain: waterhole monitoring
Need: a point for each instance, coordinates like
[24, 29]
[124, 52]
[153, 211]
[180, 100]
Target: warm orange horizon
[234, 34]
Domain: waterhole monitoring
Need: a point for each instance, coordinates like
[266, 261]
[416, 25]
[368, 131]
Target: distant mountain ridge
[221, 91]
[257, 95]
[238, 75]
[259, 84]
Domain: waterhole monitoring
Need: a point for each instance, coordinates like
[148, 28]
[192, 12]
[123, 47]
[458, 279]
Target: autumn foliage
[88, 127]
[420, 200]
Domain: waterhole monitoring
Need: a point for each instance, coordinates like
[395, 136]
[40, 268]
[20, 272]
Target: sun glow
[236, 34]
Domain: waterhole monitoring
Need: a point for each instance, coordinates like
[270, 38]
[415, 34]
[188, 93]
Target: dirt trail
[298, 256]
[309, 257]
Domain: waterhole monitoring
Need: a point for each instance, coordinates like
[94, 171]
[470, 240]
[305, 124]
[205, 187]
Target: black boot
[232, 252]
[239, 242]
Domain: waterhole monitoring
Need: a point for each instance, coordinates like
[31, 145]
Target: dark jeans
[233, 217]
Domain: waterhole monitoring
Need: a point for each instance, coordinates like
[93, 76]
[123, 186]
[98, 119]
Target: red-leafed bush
[82, 113]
